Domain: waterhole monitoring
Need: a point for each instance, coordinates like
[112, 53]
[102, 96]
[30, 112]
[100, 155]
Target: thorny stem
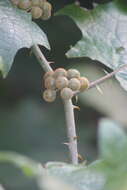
[68, 107]
[108, 76]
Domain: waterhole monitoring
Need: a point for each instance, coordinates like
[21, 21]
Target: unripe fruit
[35, 2]
[47, 9]
[36, 12]
[66, 93]
[73, 73]
[60, 72]
[74, 84]
[84, 83]
[50, 83]
[15, 2]
[49, 95]
[61, 82]
[48, 74]
[24, 4]
[42, 3]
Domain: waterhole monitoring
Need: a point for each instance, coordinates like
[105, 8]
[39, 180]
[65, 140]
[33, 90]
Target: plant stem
[68, 107]
[71, 130]
[108, 76]
[41, 58]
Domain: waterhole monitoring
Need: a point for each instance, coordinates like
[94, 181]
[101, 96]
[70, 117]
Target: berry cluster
[38, 8]
[66, 82]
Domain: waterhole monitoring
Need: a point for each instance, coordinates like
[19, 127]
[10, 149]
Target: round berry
[66, 93]
[48, 74]
[61, 82]
[73, 73]
[24, 4]
[50, 83]
[15, 2]
[47, 10]
[49, 95]
[42, 3]
[36, 12]
[35, 2]
[60, 72]
[74, 84]
[84, 83]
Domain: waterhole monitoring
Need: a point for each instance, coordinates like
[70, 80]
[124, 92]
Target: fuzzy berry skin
[35, 2]
[66, 93]
[47, 9]
[15, 2]
[48, 74]
[49, 83]
[24, 4]
[84, 83]
[61, 82]
[73, 73]
[36, 12]
[42, 3]
[74, 84]
[49, 95]
[60, 72]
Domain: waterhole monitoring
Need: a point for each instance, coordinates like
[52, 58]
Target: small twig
[71, 131]
[68, 106]
[41, 58]
[107, 76]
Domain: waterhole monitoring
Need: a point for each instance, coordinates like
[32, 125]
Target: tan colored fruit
[36, 12]
[35, 2]
[73, 73]
[24, 4]
[15, 2]
[47, 10]
[60, 72]
[66, 93]
[42, 3]
[74, 84]
[61, 82]
[50, 83]
[49, 95]
[84, 83]
[48, 74]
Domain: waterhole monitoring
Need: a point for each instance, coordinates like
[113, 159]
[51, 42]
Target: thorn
[80, 157]
[50, 62]
[76, 107]
[99, 90]
[66, 143]
[75, 138]
[106, 72]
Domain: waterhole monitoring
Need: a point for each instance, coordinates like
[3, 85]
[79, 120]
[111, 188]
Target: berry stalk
[68, 107]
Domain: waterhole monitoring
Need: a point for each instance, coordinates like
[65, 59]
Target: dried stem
[68, 107]
[108, 76]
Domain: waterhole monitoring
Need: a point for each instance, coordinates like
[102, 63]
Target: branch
[71, 131]
[108, 76]
[41, 58]
[68, 107]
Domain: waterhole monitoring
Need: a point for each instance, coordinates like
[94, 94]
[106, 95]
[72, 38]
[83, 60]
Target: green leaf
[104, 35]
[28, 166]
[112, 141]
[16, 31]
[79, 176]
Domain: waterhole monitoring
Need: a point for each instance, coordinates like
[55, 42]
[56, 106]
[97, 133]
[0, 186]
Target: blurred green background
[34, 128]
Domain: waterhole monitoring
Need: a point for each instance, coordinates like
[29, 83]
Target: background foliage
[31, 127]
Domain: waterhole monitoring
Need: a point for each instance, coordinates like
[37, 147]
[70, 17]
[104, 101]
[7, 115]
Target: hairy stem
[108, 76]
[68, 107]
[41, 58]
[71, 131]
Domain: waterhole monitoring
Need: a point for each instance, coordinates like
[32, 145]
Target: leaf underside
[16, 31]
